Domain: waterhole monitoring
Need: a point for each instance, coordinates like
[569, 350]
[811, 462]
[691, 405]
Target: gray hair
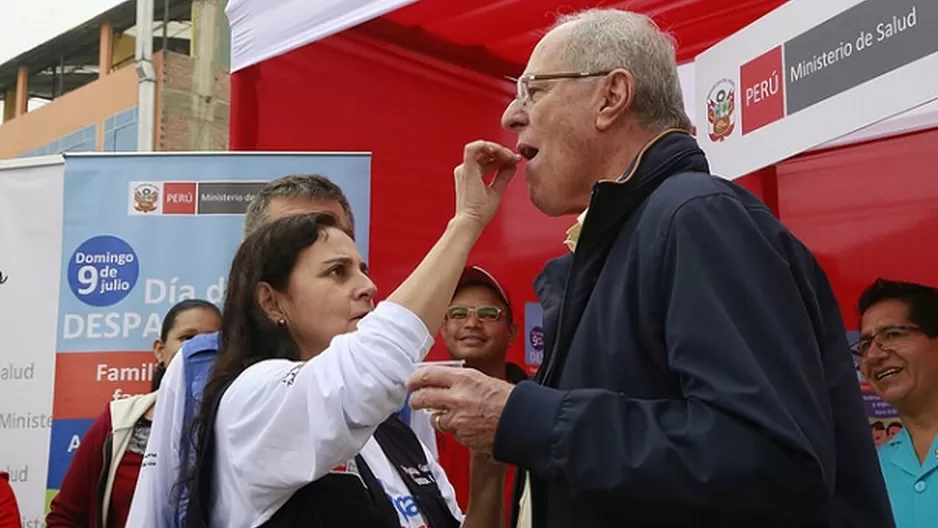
[606, 39]
[310, 186]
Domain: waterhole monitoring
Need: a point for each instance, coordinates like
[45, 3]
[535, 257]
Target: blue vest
[198, 355]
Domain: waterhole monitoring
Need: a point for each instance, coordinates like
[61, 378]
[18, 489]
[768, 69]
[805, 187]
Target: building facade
[80, 91]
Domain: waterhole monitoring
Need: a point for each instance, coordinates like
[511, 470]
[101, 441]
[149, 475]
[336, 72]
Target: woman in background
[99, 485]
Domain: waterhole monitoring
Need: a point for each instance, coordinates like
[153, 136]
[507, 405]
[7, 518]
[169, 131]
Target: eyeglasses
[483, 313]
[888, 338]
[523, 94]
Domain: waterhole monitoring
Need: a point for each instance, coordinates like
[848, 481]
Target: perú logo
[721, 106]
[146, 197]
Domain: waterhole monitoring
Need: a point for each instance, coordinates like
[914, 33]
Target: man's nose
[473, 321]
[514, 117]
[875, 353]
[877, 349]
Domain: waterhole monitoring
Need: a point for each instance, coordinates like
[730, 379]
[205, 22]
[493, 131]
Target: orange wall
[90, 104]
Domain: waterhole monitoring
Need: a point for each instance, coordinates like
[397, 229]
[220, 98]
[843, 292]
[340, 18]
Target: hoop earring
[281, 322]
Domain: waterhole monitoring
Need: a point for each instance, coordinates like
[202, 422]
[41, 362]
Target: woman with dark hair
[298, 425]
[99, 485]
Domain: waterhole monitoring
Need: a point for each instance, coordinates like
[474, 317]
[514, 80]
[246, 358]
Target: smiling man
[479, 328]
[898, 354]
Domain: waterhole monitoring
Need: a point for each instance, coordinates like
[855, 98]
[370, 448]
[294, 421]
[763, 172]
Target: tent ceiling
[507, 30]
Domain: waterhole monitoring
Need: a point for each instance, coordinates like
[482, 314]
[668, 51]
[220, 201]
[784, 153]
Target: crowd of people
[696, 368]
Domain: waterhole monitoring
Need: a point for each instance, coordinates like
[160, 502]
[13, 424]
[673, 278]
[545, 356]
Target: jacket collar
[671, 152]
[611, 206]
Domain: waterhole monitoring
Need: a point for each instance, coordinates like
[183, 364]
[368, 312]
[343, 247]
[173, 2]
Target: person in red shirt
[9, 511]
[478, 329]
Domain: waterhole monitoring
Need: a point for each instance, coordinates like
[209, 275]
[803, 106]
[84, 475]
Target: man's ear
[512, 331]
[268, 300]
[618, 97]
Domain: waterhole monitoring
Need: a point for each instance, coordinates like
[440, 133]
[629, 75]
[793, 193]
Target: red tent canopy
[499, 35]
[412, 81]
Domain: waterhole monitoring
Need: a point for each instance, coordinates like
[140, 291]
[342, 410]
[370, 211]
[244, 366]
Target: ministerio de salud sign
[810, 72]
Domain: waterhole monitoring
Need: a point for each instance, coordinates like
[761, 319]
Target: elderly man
[697, 371]
[898, 354]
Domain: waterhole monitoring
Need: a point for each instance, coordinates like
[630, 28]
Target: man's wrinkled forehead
[283, 207]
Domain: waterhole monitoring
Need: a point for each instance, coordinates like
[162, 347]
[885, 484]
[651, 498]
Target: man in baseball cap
[479, 328]
[480, 325]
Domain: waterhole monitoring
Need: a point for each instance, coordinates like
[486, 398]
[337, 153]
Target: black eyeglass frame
[883, 338]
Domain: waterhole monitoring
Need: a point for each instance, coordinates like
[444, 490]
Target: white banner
[31, 195]
[811, 72]
[261, 29]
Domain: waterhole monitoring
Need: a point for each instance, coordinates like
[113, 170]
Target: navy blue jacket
[696, 372]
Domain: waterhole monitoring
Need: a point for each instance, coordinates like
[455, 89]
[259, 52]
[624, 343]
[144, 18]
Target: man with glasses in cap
[479, 329]
[480, 326]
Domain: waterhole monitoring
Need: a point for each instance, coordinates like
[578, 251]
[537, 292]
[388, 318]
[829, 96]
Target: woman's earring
[281, 322]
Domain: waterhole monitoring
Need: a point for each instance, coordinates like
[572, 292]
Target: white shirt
[159, 471]
[283, 424]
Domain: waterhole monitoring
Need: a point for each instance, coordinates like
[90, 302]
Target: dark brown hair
[921, 300]
[309, 186]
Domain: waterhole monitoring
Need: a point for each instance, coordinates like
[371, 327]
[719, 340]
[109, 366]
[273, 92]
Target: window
[120, 132]
[81, 141]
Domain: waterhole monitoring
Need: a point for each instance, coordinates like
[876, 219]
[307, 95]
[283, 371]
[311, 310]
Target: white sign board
[810, 72]
[31, 196]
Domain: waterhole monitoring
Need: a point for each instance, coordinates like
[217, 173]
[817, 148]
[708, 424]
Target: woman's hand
[476, 199]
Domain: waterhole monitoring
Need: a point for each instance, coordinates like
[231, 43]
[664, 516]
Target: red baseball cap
[477, 275]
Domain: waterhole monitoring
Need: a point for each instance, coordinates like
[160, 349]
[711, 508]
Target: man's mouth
[888, 373]
[527, 151]
[471, 340]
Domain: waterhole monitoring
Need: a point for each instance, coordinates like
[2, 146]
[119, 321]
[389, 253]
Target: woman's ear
[268, 300]
[158, 348]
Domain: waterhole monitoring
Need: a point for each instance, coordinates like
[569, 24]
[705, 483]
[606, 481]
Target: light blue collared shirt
[912, 487]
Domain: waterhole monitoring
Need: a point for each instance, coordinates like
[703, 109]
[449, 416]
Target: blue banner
[142, 232]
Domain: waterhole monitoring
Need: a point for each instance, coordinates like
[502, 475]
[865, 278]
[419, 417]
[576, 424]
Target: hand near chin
[475, 198]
